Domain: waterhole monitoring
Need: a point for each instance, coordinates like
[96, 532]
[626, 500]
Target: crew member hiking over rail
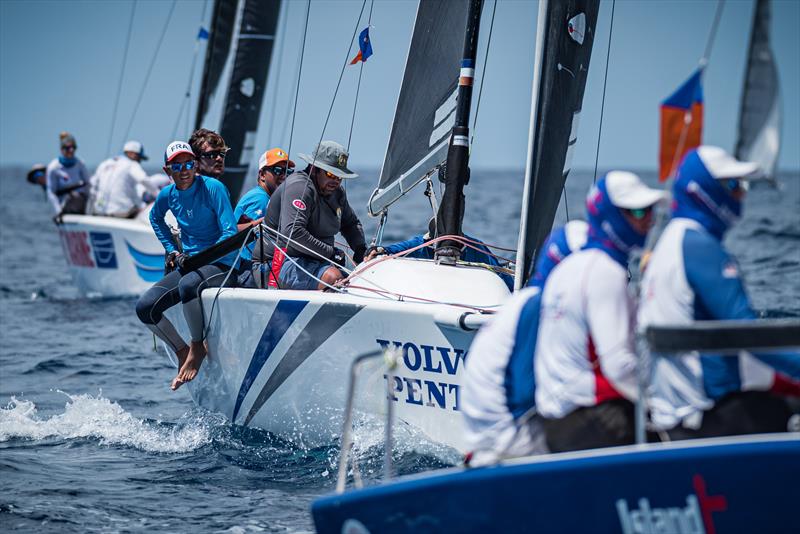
[203, 210]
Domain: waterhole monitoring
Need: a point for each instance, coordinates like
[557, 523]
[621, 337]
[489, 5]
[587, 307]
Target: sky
[61, 62]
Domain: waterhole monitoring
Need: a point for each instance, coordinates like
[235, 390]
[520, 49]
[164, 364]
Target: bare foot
[182, 354]
[197, 352]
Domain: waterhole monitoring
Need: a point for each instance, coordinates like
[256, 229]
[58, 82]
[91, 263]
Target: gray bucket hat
[332, 157]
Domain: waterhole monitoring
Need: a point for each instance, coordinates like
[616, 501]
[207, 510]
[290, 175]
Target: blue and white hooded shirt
[690, 277]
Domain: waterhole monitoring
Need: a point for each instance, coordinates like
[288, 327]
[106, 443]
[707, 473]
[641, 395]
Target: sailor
[67, 180]
[38, 176]
[692, 277]
[310, 208]
[497, 398]
[119, 183]
[211, 150]
[559, 244]
[273, 167]
[479, 254]
[585, 363]
[203, 211]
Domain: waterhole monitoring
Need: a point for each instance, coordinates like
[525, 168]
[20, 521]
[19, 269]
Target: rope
[121, 76]
[299, 75]
[150, 68]
[603, 102]
[713, 33]
[279, 52]
[483, 76]
[358, 86]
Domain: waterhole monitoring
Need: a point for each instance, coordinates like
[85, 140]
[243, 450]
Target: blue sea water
[93, 440]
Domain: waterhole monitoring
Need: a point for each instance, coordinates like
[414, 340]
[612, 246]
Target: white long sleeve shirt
[585, 349]
[117, 186]
[60, 177]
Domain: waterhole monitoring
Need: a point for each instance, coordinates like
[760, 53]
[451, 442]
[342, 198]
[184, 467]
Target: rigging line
[299, 75]
[150, 68]
[603, 101]
[186, 100]
[121, 76]
[713, 33]
[330, 108]
[566, 202]
[483, 76]
[358, 86]
[282, 16]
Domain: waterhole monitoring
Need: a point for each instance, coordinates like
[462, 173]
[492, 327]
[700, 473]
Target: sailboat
[279, 359]
[112, 257]
[729, 484]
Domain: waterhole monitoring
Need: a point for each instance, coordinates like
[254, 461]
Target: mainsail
[759, 119]
[219, 44]
[426, 106]
[565, 36]
[241, 110]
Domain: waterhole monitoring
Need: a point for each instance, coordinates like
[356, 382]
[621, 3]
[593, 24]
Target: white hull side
[110, 257]
[286, 355]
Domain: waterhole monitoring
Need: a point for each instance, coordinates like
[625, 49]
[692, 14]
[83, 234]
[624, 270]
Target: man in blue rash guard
[203, 210]
[691, 277]
[274, 166]
[468, 254]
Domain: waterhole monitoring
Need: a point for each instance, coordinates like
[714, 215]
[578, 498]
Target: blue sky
[60, 64]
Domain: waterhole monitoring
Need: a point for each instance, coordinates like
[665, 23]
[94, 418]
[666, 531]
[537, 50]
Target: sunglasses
[640, 213]
[279, 170]
[214, 154]
[332, 176]
[68, 147]
[732, 184]
[178, 167]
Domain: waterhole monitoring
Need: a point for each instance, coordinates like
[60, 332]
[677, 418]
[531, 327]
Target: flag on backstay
[681, 123]
[202, 33]
[364, 46]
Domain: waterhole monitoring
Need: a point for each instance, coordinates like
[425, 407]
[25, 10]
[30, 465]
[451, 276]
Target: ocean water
[93, 440]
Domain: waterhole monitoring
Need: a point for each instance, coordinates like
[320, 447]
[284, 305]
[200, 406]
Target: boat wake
[95, 417]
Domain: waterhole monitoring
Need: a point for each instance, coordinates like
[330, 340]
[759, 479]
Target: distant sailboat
[112, 257]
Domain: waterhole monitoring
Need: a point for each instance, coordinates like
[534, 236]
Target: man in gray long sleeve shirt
[311, 208]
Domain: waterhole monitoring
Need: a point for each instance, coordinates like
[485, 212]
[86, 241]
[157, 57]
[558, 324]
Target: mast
[759, 112]
[564, 38]
[246, 89]
[451, 211]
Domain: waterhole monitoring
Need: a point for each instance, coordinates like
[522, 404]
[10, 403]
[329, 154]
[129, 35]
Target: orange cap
[272, 157]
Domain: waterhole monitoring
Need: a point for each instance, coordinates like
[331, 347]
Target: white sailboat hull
[279, 360]
[111, 257]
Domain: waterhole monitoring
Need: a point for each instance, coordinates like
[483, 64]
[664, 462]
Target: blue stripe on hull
[282, 318]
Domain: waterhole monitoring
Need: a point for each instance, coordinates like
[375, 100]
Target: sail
[219, 44]
[426, 106]
[564, 45]
[246, 89]
[759, 118]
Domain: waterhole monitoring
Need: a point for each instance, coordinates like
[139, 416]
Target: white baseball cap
[175, 148]
[721, 165]
[626, 190]
[136, 147]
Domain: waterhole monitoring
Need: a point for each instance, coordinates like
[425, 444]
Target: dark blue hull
[723, 485]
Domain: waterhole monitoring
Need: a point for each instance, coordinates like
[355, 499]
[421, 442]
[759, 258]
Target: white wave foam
[86, 416]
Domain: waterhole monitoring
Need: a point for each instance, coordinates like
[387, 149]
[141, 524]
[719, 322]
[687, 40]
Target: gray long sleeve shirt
[298, 210]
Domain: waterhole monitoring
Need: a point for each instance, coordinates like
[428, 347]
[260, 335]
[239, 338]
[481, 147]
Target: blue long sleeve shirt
[203, 212]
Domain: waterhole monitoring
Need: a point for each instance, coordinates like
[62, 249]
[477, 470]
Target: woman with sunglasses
[585, 363]
[67, 179]
[202, 208]
[691, 277]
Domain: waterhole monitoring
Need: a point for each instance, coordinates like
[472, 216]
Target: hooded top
[608, 229]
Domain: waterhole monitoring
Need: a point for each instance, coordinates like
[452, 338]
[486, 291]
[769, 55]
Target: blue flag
[365, 47]
[202, 34]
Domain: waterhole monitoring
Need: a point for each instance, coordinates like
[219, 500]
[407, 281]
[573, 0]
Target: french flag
[681, 123]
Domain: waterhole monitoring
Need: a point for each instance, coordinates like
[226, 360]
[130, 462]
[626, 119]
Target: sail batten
[759, 118]
[427, 102]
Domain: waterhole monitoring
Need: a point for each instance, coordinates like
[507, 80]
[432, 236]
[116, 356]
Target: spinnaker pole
[451, 211]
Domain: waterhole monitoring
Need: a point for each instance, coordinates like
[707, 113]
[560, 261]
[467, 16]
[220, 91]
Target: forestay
[564, 46]
[759, 119]
[426, 106]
